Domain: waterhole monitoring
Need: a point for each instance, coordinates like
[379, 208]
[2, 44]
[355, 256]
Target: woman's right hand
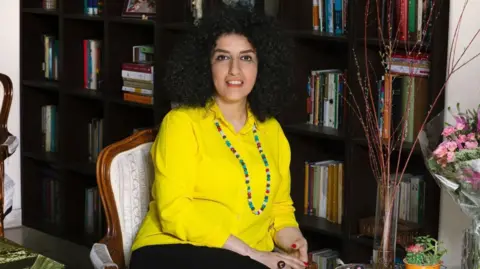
[271, 260]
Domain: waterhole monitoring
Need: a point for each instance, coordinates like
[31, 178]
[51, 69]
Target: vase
[385, 228]
[416, 266]
[470, 248]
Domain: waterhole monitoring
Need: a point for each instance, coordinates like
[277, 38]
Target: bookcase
[58, 169]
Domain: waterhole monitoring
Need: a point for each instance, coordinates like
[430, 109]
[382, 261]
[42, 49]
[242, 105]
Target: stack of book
[137, 82]
[138, 76]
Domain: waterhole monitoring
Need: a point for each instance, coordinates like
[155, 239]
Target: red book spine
[85, 64]
[137, 67]
[402, 14]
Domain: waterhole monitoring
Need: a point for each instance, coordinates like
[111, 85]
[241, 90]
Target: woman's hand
[273, 260]
[291, 241]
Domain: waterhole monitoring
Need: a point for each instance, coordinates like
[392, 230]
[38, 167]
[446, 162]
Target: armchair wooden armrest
[8, 141]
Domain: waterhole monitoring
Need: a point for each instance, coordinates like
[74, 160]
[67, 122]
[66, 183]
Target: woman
[221, 196]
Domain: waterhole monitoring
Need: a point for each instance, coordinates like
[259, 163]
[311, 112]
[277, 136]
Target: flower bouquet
[452, 156]
[426, 253]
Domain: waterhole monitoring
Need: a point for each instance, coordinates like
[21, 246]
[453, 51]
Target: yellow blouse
[199, 192]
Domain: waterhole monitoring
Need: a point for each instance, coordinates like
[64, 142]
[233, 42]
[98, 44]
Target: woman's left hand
[291, 241]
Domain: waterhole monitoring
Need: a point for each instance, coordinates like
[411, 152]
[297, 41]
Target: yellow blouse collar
[213, 110]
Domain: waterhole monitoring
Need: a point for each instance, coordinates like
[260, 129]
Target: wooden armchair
[124, 176]
[9, 144]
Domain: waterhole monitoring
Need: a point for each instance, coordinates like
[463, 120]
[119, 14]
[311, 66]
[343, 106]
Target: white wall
[463, 87]
[10, 65]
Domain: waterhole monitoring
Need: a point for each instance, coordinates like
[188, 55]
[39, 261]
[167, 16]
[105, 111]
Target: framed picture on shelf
[139, 8]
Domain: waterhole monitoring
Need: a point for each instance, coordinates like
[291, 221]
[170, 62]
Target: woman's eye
[247, 58]
[221, 57]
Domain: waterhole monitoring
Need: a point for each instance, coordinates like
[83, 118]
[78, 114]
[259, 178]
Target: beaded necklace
[245, 170]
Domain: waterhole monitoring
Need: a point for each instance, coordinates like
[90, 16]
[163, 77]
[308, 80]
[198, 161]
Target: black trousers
[186, 256]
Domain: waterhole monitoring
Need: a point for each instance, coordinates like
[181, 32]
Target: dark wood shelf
[317, 35]
[84, 17]
[179, 26]
[406, 146]
[119, 19]
[86, 93]
[367, 241]
[49, 157]
[40, 11]
[320, 225]
[314, 131]
[399, 45]
[42, 84]
[85, 168]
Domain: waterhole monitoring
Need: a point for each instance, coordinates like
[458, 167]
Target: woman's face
[234, 67]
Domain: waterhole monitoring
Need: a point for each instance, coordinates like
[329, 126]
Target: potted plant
[426, 253]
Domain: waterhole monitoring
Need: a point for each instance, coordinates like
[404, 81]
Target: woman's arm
[234, 244]
[174, 155]
[282, 208]
[286, 233]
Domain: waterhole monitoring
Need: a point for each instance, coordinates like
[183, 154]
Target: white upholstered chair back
[125, 176]
[131, 176]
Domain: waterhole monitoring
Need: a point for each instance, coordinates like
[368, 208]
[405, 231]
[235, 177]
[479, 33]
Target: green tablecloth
[13, 256]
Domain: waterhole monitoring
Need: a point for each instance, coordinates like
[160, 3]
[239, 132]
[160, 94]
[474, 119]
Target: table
[13, 256]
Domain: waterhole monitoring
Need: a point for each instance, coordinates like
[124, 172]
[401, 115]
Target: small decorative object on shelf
[197, 10]
[425, 253]
[452, 155]
[139, 8]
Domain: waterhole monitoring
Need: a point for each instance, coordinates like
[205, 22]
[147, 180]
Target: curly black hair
[188, 77]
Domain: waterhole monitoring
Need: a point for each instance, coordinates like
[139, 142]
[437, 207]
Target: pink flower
[471, 136]
[462, 138]
[417, 248]
[471, 144]
[440, 151]
[451, 146]
[460, 126]
[448, 131]
[450, 157]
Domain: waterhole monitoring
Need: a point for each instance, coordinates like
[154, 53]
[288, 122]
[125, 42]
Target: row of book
[411, 195]
[49, 125]
[330, 16]
[51, 204]
[326, 105]
[402, 107]
[325, 258]
[93, 212]
[51, 52]
[95, 138]
[49, 4]
[414, 19]
[403, 97]
[92, 7]
[323, 195]
[92, 49]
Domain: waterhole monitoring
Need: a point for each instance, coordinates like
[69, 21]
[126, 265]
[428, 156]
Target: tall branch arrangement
[381, 149]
